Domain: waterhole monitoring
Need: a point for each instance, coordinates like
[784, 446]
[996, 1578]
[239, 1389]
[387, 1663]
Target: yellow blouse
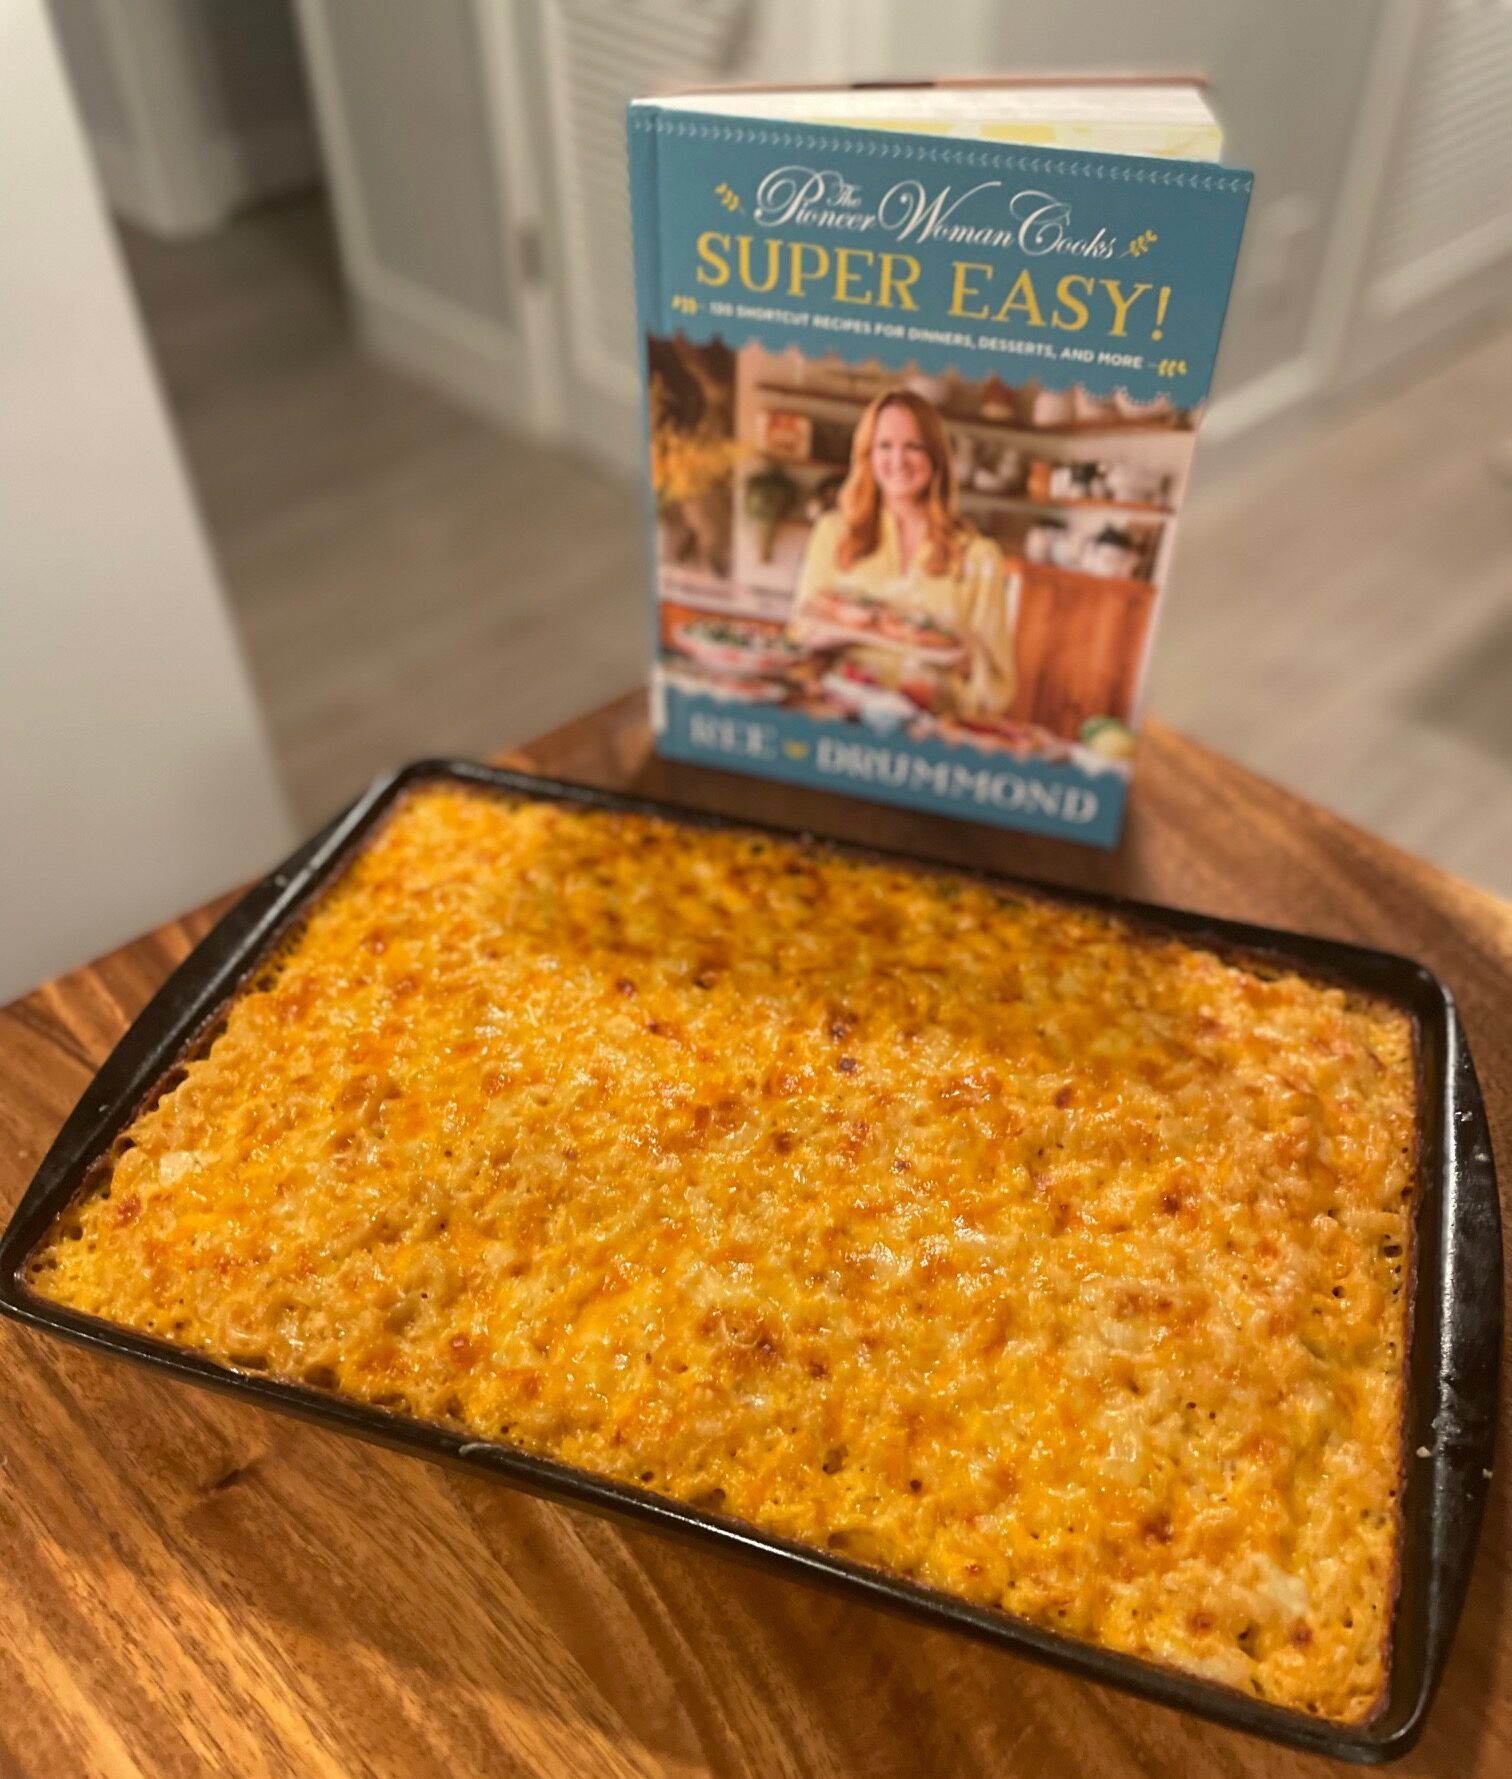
[974, 602]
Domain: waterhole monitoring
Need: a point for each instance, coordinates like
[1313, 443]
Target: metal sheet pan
[1452, 1365]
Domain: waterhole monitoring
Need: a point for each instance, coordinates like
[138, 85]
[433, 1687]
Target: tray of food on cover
[726, 688]
[851, 691]
[840, 616]
[1116, 1284]
[737, 647]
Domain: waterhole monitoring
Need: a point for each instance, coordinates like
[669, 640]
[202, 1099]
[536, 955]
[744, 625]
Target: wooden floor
[408, 580]
[1341, 618]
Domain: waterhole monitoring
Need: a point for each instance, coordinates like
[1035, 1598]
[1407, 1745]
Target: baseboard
[226, 173]
[266, 163]
[123, 182]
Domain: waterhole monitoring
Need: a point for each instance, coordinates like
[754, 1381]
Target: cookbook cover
[921, 412]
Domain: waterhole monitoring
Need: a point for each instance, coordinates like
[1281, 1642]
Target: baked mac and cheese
[1001, 1244]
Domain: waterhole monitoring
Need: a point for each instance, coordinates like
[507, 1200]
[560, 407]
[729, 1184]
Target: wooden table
[191, 1587]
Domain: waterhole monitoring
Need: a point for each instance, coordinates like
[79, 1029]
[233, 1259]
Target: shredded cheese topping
[1049, 1262]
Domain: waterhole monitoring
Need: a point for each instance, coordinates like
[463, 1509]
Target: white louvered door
[1441, 243]
[585, 60]
[1448, 211]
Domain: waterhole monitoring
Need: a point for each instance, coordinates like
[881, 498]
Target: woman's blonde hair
[860, 500]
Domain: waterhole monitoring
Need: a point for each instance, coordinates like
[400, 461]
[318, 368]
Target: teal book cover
[920, 411]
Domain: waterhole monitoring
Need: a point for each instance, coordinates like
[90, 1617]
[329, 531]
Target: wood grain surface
[191, 1587]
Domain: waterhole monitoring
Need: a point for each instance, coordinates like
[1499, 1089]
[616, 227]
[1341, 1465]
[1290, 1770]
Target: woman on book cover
[928, 581]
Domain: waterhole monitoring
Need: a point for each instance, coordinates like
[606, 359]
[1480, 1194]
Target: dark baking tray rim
[1452, 1364]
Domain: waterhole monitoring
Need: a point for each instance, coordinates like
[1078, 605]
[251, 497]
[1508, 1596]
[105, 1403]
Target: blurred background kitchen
[319, 441]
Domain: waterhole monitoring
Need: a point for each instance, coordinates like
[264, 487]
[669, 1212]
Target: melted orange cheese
[1048, 1262]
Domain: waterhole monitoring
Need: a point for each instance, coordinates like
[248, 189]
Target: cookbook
[924, 369]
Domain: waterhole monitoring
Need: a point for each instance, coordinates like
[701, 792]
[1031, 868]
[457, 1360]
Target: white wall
[135, 781]
[193, 108]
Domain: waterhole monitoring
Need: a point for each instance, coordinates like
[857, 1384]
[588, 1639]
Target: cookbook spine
[643, 131]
